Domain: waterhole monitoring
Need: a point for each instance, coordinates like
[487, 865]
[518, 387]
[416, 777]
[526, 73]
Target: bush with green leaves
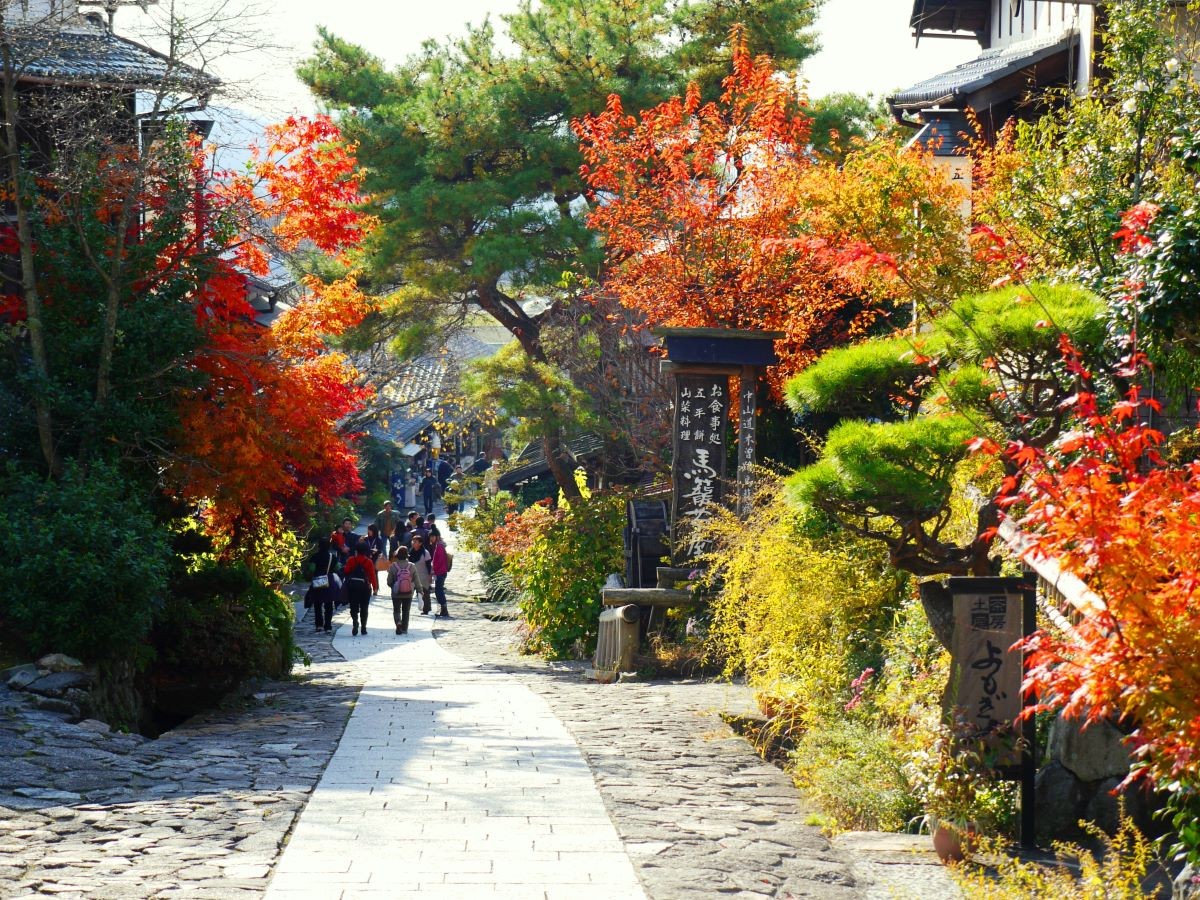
[476, 529]
[222, 624]
[561, 574]
[87, 563]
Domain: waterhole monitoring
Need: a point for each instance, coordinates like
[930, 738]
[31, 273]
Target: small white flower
[1140, 86]
[1171, 65]
[1129, 107]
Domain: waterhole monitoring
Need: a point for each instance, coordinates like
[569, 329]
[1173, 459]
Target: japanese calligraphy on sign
[701, 412]
[747, 439]
[985, 681]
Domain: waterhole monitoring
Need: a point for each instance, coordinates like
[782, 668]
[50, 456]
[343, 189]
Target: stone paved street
[200, 812]
[450, 781]
[466, 770]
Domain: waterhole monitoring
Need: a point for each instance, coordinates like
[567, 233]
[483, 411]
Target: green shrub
[475, 530]
[895, 469]
[1022, 321]
[222, 622]
[87, 563]
[561, 574]
[860, 381]
[853, 771]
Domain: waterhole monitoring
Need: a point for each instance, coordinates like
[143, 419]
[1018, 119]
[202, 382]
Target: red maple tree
[701, 209]
[263, 427]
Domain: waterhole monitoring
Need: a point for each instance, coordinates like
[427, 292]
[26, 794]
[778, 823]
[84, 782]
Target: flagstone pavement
[442, 762]
[450, 781]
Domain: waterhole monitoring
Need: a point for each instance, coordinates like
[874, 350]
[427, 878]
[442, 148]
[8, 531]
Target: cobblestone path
[700, 814]
[201, 812]
[466, 771]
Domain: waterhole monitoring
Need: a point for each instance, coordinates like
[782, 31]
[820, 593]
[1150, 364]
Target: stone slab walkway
[450, 781]
[465, 770]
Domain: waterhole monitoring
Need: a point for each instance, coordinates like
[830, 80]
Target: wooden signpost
[990, 616]
[702, 361]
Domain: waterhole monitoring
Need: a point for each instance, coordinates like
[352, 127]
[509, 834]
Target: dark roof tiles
[984, 70]
[99, 57]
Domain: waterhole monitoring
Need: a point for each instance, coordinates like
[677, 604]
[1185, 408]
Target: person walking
[361, 583]
[411, 489]
[440, 566]
[323, 588]
[387, 521]
[402, 579]
[420, 558]
[431, 489]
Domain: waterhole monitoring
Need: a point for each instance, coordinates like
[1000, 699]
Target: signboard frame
[1019, 593]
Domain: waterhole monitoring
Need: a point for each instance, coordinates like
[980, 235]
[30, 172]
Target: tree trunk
[562, 464]
[29, 281]
[986, 523]
[526, 330]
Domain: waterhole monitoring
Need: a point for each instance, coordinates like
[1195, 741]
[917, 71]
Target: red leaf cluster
[698, 205]
[1104, 505]
[263, 428]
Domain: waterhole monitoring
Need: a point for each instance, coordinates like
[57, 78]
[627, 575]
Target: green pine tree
[471, 160]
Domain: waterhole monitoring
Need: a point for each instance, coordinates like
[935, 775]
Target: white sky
[867, 46]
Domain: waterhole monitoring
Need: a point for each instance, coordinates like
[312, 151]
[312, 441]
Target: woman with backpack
[402, 579]
[361, 584]
[420, 558]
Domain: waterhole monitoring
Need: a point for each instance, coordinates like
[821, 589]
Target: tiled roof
[420, 393]
[954, 88]
[96, 56]
[532, 461]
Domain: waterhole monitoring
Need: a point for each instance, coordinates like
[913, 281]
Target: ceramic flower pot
[953, 842]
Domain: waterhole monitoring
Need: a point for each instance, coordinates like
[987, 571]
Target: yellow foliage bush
[799, 616]
[838, 649]
[1121, 871]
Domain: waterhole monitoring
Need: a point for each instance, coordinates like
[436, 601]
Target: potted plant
[959, 788]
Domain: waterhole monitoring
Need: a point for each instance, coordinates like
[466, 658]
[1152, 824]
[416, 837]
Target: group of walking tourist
[407, 550]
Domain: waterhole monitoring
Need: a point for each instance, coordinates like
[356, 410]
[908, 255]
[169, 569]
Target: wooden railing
[1063, 597]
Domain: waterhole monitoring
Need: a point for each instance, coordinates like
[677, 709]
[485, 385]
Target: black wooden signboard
[701, 414]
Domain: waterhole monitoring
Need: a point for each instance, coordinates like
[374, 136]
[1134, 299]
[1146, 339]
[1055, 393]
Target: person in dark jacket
[376, 544]
[362, 583]
[324, 565]
[431, 489]
[419, 557]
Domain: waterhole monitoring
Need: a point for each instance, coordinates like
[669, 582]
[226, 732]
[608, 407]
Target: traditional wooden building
[1028, 47]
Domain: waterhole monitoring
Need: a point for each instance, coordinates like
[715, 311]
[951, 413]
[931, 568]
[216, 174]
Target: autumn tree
[717, 213]
[206, 408]
[1105, 504]
[468, 153]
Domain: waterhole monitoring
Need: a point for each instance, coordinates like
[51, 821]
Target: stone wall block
[1094, 753]
[1059, 801]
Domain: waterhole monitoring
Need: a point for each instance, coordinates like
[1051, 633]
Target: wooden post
[747, 438]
